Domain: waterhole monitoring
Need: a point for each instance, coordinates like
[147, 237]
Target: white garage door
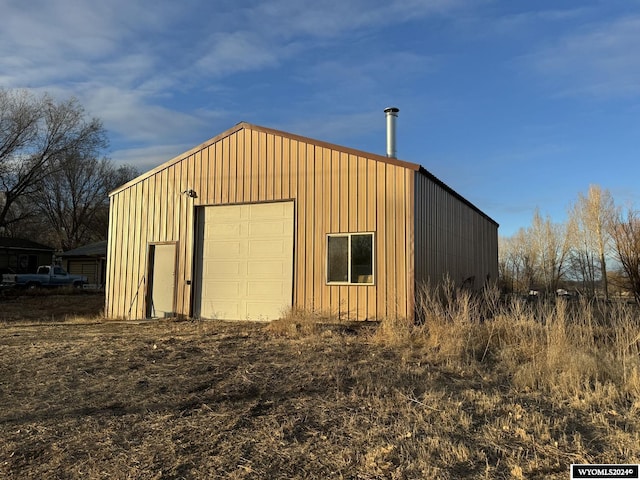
[246, 264]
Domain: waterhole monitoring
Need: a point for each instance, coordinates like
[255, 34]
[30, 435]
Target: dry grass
[480, 390]
[46, 306]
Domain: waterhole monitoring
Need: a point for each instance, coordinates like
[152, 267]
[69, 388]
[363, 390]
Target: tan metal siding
[307, 159]
[140, 238]
[320, 289]
[371, 222]
[130, 275]
[352, 219]
[410, 253]
[110, 296]
[361, 223]
[452, 238]
[327, 207]
[335, 191]
[381, 241]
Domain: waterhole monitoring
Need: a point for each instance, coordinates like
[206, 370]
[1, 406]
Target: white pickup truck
[46, 276]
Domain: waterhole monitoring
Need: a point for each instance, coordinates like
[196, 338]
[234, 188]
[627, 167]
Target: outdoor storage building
[255, 221]
[88, 260]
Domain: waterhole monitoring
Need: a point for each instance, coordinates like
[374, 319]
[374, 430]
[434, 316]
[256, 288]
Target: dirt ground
[96, 399]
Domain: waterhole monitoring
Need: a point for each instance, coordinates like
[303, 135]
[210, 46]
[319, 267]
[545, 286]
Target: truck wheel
[32, 285]
[77, 285]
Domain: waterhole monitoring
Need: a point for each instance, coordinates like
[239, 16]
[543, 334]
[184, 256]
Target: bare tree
[74, 198]
[592, 216]
[582, 268]
[116, 177]
[553, 247]
[35, 134]
[518, 261]
[625, 232]
[508, 264]
[529, 255]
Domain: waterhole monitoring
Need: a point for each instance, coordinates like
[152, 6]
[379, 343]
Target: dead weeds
[191, 399]
[47, 306]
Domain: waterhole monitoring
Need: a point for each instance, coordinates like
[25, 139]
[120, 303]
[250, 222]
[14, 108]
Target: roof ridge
[250, 126]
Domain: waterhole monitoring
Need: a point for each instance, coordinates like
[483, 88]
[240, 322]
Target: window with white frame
[350, 258]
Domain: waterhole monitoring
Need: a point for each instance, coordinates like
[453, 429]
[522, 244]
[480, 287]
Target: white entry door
[246, 261]
[162, 283]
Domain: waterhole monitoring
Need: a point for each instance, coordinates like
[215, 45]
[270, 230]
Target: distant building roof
[98, 249]
[9, 243]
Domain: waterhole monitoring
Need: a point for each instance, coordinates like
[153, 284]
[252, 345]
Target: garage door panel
[264, 290]
[267, 229]
[229, 247]
[223, 290]
[247, 261]
[268, 269]
[227, 229]
[268, 248]
[230, 213]
[222, 310]
[234, 268]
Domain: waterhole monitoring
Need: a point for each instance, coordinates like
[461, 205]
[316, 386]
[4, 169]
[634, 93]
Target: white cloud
[102, 53]
[65, 40]
[516, 22]
[131, 115]
[365, 73]
[598, 60]
[129, 62]
[336, 17]
[45, 28]
[238, 52]
[333, 128]
[146, 158]
[272, 32]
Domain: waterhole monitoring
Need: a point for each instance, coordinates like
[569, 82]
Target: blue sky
[514, 104]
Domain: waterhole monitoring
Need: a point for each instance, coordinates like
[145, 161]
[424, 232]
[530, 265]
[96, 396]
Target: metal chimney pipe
[392, 114]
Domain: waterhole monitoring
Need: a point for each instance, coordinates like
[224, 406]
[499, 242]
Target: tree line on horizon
[54, 176]
[595, 252]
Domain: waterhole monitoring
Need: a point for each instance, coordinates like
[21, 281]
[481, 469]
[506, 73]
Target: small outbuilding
[256, 221]
[88, 260]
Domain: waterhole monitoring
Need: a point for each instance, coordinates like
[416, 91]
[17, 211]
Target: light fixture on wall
[190, 193]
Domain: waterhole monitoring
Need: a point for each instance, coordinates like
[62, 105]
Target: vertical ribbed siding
[334, 192]
[452, 238]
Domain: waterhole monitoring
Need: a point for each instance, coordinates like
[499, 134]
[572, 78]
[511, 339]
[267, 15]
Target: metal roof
[98, 249]
[9, 243]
